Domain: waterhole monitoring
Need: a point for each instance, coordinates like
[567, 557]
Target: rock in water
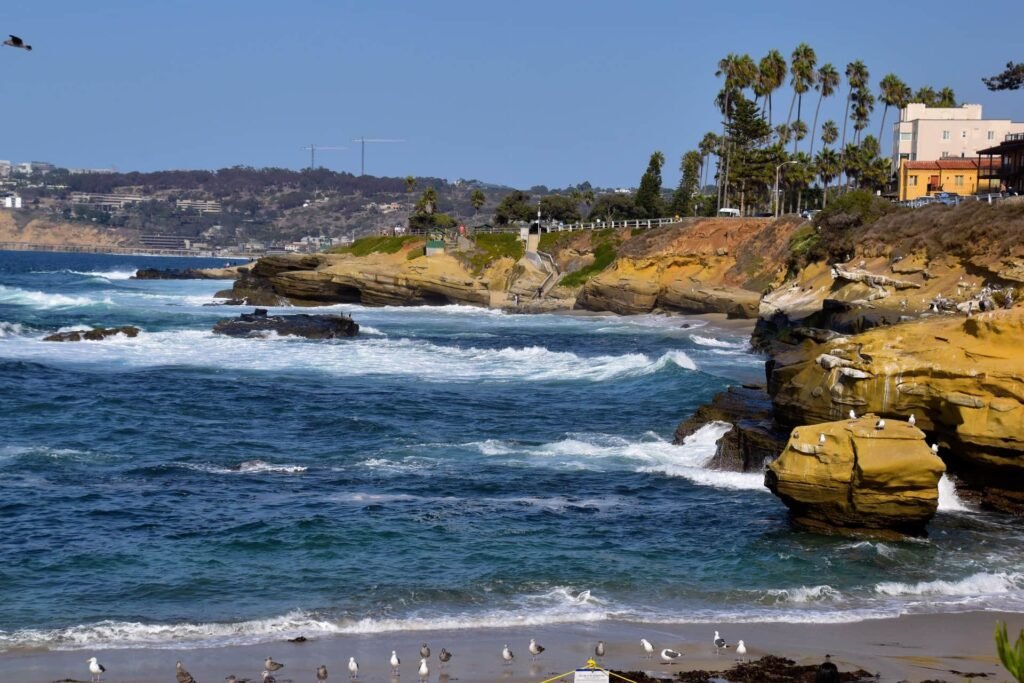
[95, 334]
[301, 325]
[186, 274]
[862, 480]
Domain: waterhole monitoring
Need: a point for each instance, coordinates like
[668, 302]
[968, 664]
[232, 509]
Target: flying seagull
[444, 656]
[353, 667]
[648, 648]
[424, 651]
[15, 41]
[321, 673]
[599, 650]
[719, 643]
[912, 421]
[270, 665]
[741, 649]
[182, 675]
[95, 668]
[507, 655]
[670, 655]
[535, 649]
[395, 662]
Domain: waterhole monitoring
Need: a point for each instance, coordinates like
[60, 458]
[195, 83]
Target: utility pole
[362, 144]
[312, 152]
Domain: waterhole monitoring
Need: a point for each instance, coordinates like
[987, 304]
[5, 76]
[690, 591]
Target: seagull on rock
[599, 650]
[321, 673]
[444, 656]
[507, 655]
[424, 651]
[912, 421]
[395, 662]
[741, 650]
[181, 675]
[15, 41]
[95, 668]
[270, 665]
[853, 415]
[670, 655]
[821, 439]
[719, 643]
[648, 648]
[353, 667]
[935, 448]
[424, 670]
[536, 649]
[880, 424]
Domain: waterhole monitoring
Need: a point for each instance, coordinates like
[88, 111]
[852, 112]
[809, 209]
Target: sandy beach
[910, 648]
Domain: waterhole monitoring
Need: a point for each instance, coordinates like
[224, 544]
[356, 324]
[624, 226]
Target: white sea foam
[11, 329]
[949, 501]
[690, 459]
[25, 297]
[978, 586]
[248, 467]
[107, 274]
[804, 594]
[718, 343]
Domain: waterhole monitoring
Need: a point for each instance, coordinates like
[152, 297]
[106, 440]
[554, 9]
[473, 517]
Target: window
[912, 181]
[958, 180]
[906, 137]
[991, 135]
[945, 135]
[963, 133]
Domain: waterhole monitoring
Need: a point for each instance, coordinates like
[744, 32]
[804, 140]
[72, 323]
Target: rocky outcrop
[95, 334]
[961, 378]
[186, 274]
[850, 476]
[754, 438]
[259, 324]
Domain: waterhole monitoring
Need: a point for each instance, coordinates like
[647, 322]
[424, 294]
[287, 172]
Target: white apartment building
[5, 168]
[928, 134]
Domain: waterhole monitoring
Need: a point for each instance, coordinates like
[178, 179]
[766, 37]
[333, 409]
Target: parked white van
[729, 213]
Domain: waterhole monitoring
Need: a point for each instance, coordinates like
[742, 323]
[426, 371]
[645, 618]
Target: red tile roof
[950, 164]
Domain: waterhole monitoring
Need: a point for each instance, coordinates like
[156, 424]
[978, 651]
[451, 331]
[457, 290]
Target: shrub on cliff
[835, 228]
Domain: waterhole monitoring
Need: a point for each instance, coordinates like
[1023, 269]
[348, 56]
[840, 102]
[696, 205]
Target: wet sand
[914, 648]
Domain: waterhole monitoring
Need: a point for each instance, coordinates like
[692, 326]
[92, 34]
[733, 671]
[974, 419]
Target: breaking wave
[24, 297]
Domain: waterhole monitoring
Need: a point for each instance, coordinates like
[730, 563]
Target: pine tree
[683, 200]
[648, 195]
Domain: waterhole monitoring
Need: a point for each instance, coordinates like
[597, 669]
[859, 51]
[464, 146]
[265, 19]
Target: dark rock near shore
[173, 274]
[92, 335]
[768, 669]
[259, 323]
[754, 438]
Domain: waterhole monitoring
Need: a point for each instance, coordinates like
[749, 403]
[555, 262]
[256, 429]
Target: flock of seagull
[270, 666]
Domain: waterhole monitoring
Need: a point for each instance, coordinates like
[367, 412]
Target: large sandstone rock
[882, 482]
[962, 379]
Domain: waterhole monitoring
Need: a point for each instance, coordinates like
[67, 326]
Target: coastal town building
[107, 201]
[925, 133]
[199, 205]
[12, 201]
[959, 176]
[1003, 164]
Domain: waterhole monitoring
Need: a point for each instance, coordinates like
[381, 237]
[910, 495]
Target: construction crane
[362, 144]
[312, 152]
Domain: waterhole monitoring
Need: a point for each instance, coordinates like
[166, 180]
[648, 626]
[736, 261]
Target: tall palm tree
[864, 104]
[800, 175]
[827, 166]
[799, 129]
[826, 84]
[947, 98]
[801, 67]
[926, 96]
[739, 72]
[856, 77]
[707, 146]
[829, 132]
[894, 93]
[784, 133]
[771, 76]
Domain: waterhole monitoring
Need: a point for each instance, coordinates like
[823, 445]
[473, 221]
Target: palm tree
[410, 184]
[707, 146]
[799, 129]
[739, 72]
[926, 96]
[771, 76]
[856, 76]
[827, 82]
[947, 98]
[864, 104]
[800, 175]
[801, 67]
[829, 132]
[784, 133]
[477, 199]
[828, 168]
[894, 93]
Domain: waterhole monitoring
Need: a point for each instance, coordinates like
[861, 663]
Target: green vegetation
[493, 246]
[1012, 656]
[375, 245]
[1012, 78]
[606, 248]
[648, 195]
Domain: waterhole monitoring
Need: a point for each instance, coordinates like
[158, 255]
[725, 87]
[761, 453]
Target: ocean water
[451, 467]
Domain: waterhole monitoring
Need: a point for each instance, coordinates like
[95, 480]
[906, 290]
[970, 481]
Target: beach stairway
[545, 263]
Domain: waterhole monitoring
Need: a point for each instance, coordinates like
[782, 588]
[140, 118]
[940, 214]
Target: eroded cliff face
[962, 378]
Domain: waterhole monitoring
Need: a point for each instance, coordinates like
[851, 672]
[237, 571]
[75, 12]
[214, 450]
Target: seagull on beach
[321, 673]
[535, 649]
[880, 424]
[270, 665]
[15, 41]
[670, 655]
[599, 650]
[720, 643]
[267, 678]
[424, 670]
[181, 675]
[741, 650]
[507, 655]
[353, 667]
[821, 439]
[444, 656]
[95, 668]
[827, 672]
[424, 651]
[648, 648]
[912, 421]
[395, 662]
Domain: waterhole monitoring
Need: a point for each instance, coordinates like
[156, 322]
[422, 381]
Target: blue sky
[520, 93]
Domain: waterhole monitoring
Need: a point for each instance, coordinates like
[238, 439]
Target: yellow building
[924, 178]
